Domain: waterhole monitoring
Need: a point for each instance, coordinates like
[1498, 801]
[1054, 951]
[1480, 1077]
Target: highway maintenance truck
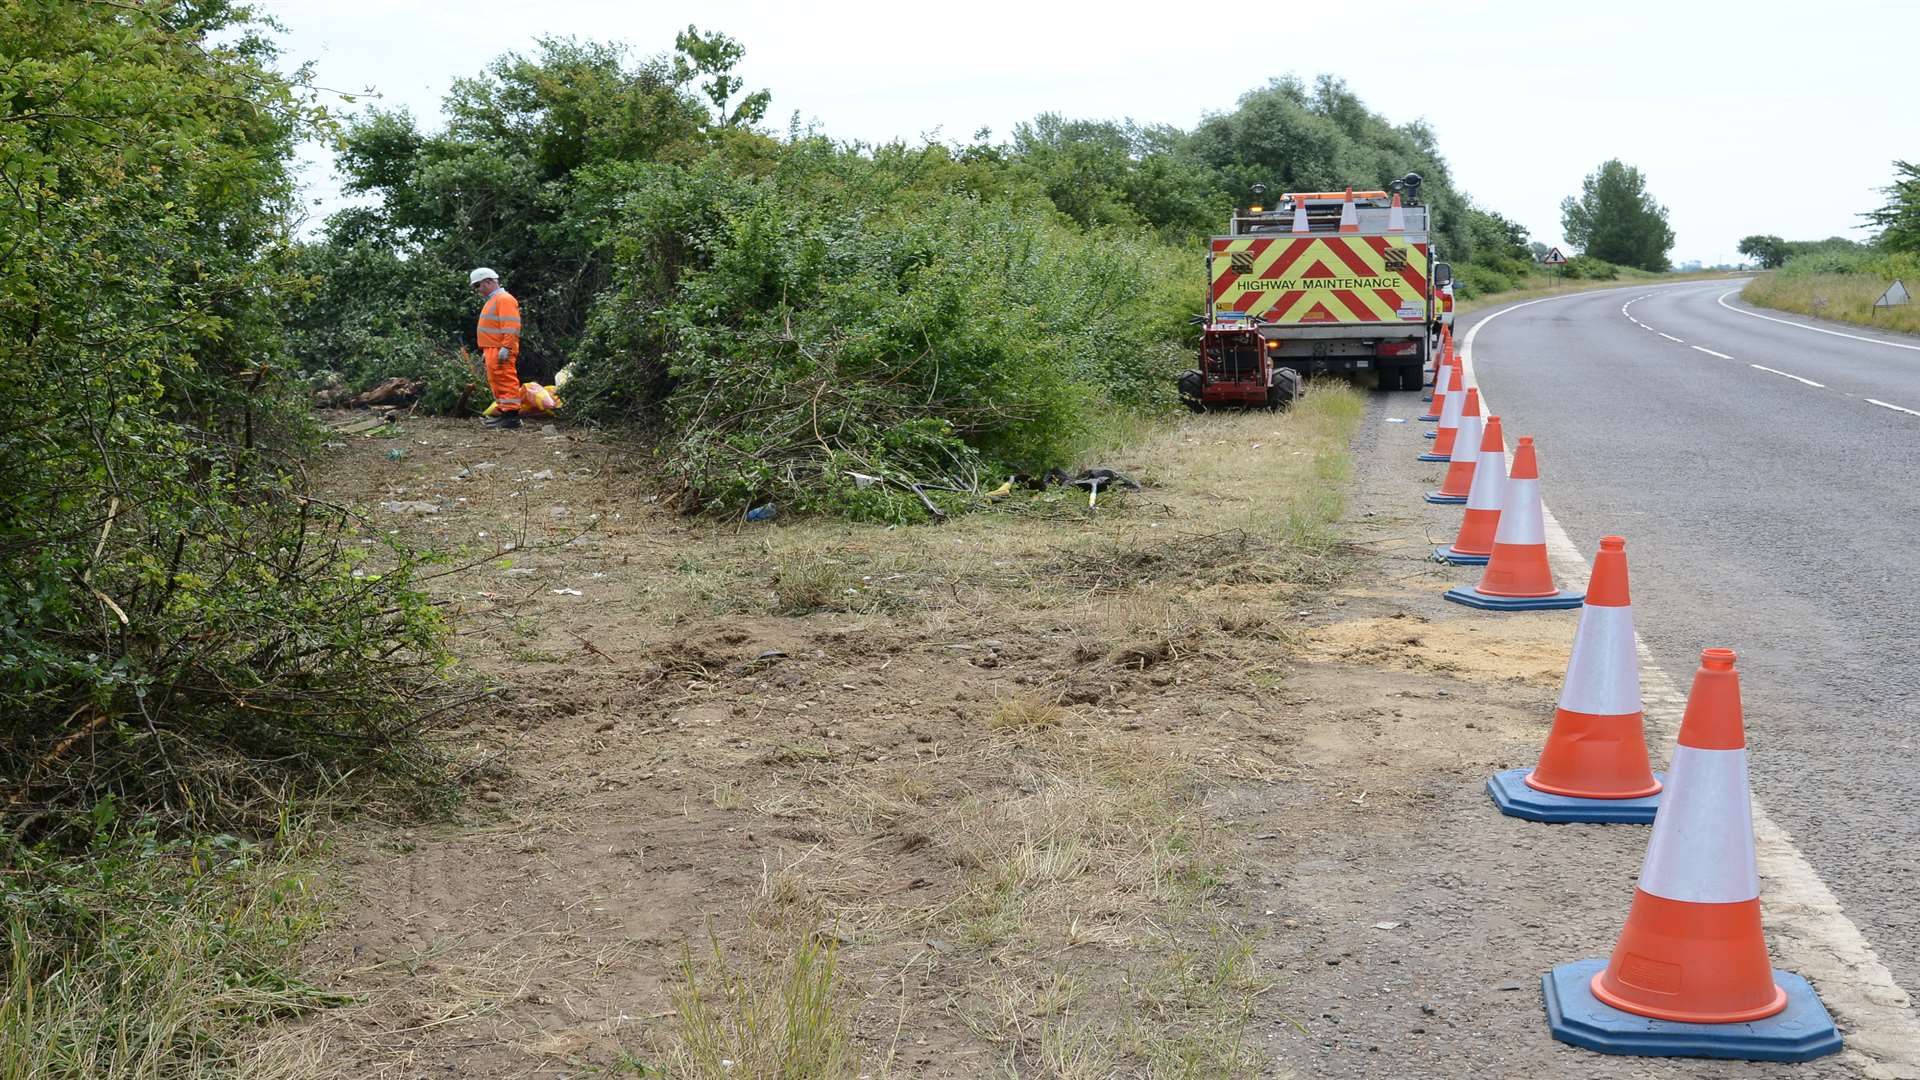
[1320, 283]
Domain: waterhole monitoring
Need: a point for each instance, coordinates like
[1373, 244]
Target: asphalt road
[1764, 513]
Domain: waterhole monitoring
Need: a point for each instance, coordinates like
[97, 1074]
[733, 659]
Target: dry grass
[1846, 297]
[777, 1017]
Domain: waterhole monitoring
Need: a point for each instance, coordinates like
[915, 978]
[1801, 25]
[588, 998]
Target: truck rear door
[1308, 279]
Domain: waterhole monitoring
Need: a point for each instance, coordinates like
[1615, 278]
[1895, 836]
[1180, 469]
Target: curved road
[1765, 469]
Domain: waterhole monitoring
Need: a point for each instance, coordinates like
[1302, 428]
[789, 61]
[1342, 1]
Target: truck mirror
[1442, 274]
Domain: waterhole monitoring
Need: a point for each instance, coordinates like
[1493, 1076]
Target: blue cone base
[1465, 595]
[1802, 1032]
[1430, 434]
[1455, 558]
[1429, 418]
[1436, 497]
[1434, 457]
[1515, 799]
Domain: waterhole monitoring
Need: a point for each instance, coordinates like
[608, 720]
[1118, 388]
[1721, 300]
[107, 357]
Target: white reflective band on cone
[1603, 677]
[1702, 846]
[1520, 516]
[1456, 403]
[1466, 445]
[1489, 476]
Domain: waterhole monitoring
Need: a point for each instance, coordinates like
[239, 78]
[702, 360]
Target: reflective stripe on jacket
[500, 325]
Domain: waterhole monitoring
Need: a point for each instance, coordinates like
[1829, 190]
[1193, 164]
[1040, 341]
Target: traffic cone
[1396, 217]
[1594, 767]
[1474, 543]
[1300, 216]
[1517, 577]
[1450, 409]
[1466, 453]
[1689, 975]
[1349, 220]
[1439, 395]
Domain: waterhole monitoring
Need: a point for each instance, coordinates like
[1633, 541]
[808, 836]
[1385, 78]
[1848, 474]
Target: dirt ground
[1175, 787]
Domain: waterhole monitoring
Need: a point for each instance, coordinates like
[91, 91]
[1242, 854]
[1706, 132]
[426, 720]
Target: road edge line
[1810, 929]
[1722, 301]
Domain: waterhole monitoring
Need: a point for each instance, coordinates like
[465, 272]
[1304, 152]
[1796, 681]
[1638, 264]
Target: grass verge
[1066, 911]
[143, 958]
[1845, 297]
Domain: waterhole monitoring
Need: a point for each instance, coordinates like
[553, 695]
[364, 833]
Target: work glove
[503, 354]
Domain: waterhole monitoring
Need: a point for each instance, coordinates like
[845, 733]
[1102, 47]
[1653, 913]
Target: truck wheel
[1413, 377]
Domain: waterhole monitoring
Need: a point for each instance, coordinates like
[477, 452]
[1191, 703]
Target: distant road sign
[1895, 295]
[1554, 258]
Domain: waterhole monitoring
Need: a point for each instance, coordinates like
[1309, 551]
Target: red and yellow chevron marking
[1321, 279]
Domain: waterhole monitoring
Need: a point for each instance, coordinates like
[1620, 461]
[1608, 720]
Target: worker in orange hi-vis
[499, 338]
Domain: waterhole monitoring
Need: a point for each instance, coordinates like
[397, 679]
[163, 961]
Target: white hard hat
[481, 275]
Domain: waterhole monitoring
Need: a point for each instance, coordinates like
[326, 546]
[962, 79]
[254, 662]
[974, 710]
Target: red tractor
[1237, 370]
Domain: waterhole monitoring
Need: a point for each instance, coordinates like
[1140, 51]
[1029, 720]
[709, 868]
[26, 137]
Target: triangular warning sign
[1895, 295]
[1319, 313]
[1553, 258]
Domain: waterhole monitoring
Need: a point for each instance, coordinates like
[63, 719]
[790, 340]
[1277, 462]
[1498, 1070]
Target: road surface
[1765, 469]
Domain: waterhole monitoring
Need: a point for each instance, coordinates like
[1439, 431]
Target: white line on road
[1795, 378]
[1722, 301]
[1895, 408]
[1810, 930]
[1670, 337]
[1710, 352]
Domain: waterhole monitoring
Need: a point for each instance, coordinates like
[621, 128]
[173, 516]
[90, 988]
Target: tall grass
[779, 1017]
[147, 959]
[1841, 286]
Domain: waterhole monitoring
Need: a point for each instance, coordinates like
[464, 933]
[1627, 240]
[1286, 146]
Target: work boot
[507, 421]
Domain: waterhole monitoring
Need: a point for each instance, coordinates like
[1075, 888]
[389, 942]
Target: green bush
[802, 332]
[187, 635]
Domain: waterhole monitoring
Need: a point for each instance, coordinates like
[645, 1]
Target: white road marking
[1795, 378]
[1722, 301]
[1895, 408]
[1670, 337]
[1808, 928]
[1710, 352]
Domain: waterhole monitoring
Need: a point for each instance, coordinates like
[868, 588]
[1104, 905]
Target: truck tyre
[1413, 376]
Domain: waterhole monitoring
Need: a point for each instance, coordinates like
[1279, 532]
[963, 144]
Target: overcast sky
[1768, 117]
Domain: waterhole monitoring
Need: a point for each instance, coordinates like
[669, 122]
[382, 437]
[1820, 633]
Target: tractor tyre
[1192, 390]
[1286, 388]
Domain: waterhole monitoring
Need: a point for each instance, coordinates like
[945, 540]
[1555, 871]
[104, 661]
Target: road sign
[1895, 295]
[1553, 258]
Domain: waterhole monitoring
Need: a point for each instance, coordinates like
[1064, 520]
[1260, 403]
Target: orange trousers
[504, 377]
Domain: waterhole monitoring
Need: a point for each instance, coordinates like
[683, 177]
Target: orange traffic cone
[1300, 216]
[1517, 577]
[1474, 543]
[1690, 975]
[1449, 426]
[1594, 767]
[1396, 216]
[1349, 220]
[1466, 453]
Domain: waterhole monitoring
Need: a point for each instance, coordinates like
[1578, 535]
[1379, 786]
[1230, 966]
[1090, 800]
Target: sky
[1758, 117]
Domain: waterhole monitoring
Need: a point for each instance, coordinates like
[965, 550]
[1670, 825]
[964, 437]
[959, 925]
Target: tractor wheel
[1286, 389]
[1192, 390]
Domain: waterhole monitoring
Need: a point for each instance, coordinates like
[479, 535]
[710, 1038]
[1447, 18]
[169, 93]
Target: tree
[1768, 251]
[1899, 220]
[1616, 219]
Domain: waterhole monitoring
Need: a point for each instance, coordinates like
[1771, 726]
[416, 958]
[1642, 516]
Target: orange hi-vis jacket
[500, 328]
